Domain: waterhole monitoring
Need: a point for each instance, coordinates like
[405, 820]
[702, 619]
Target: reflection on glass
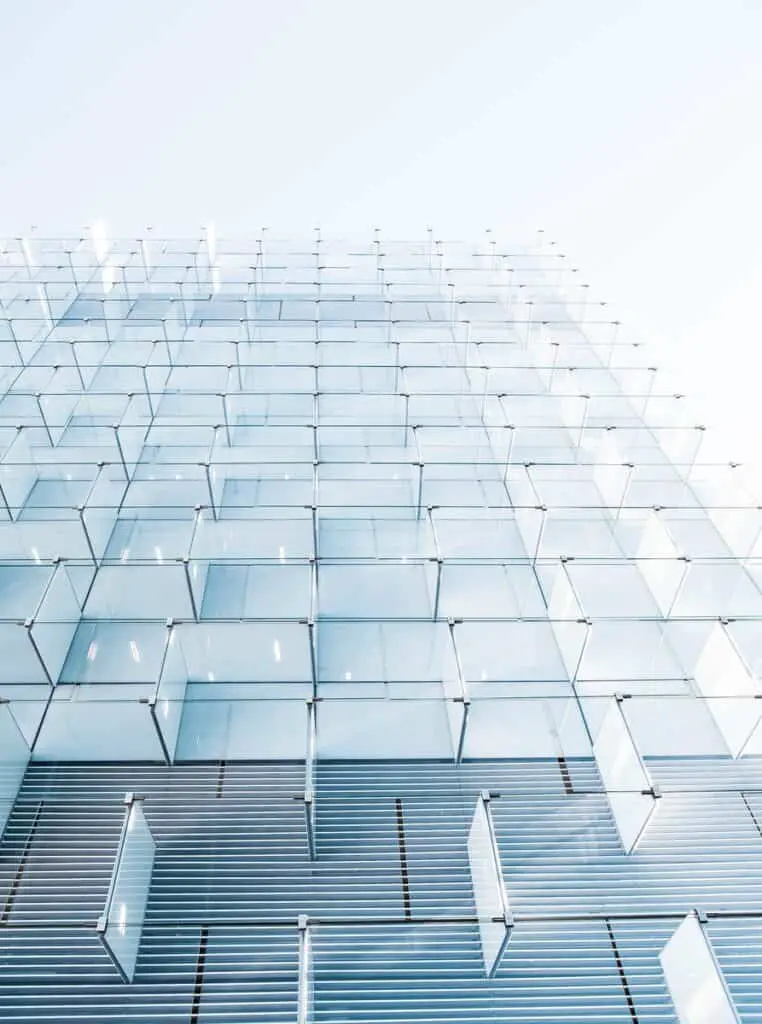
[14, 755]
[721, 674]
[492, 909]
[694, 979]
[628, 785]
[121, 924]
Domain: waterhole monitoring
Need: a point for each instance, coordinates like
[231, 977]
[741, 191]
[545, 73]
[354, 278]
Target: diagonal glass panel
[492, 908]
[310, 792]
[631, 794]
[694, 979]
[567, 619]
[168, 703]
[14, 756]
[121, 924]
[659, 562]
[306, 998]
[722, 677]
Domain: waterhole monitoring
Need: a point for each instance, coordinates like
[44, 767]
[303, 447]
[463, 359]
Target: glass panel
[720, 673]
[169, 701]
[115, 652]
[18, 475]
[139, 592]
[657, 559]
[382, 652]
[306, 999]
[256, 591]
[240, 652]
[525, 727]
[628, 786]
[567, 619]
[246, 727]
[492, 909]
[611, 475]
[501, 651]
[121, 924]
[98, 723]
[383, 729]
[14, 756]
[694, 978]
[377, 591]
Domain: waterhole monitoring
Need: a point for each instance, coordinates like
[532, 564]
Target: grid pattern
[311, 543]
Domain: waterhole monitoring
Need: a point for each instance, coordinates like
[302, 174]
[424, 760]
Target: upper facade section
[426, 487]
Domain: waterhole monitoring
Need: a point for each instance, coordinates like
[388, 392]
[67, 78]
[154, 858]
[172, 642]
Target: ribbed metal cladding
[233, 867]
[379, 643]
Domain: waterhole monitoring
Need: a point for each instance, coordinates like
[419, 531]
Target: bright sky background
[630, 130]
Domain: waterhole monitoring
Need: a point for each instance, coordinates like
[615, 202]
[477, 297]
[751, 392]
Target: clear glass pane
[724, 680]
[14, 755]
[627, 783]
[489, 891]
[121, 926]
[694, 979]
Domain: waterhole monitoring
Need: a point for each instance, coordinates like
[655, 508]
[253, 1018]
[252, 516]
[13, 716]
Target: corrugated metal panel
[232, 874]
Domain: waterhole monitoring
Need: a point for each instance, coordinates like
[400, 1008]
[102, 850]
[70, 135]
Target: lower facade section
[206, 896]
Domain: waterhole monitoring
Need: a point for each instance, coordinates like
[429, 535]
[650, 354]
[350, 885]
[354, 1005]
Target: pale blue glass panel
[611, 475]
[566, 615]
[492, 909]
[18, 474]
[520, 651]
[578, 533]
[121, 925]
[377, 486]
[668, 726]
[629, 650]
[98, 723]
[628, 786]
[612, 590]
[658, 561]
[377, 591]
[478, 537]
[723, 678]
[695, 981]
[525, 727]
[169, 699]
[256, 591]
[375, 537]
[18, 662]
[152, 540]
[21, 589]
[718, 589]
[286, 534]
[383, 729]
[489, 591]
[14, 756]
[244, 729]
[115, 652]
[139, 592]
[368, 652]
[246, 652]
[56, 621]
[27, 540]
[306, 995]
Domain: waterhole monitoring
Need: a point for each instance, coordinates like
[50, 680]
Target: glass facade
[378, 644]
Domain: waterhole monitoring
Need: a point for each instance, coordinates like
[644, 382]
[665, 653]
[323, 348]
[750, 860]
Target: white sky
[630, 130]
